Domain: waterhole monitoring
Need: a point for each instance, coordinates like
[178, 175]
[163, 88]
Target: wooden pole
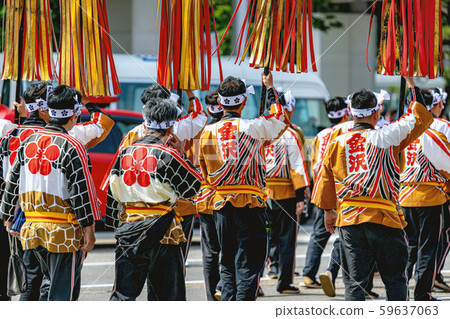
[19, 65]
[262, 105]
[401, 103]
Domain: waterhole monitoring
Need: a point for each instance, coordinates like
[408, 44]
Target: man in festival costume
[51, 181]
[287, 180]
[338, 114]
[186, 128]
[443, 126]
[205, 206]
[360, 173]
[5, 127]
[233, 164]
[146, 182]
[90, 133]
[424, 171]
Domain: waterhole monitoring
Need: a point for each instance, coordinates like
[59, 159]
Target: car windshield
[123, 124]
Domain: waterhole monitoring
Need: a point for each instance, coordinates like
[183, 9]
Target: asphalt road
[98, 274]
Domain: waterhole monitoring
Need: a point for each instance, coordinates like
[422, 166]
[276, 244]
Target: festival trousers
[316, 245]
[34, 277]
[283, 234]
[4, 258]
[163, 265]
[444, 247]
[243, 241]
[364, 245]
[210, 254]
[335, 259]
[188, 229]
[424, 233]
[61, 274]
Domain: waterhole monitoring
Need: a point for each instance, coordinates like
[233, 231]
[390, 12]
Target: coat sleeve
[93, 132]
[324, 192]
[10, 196]
[113, 207]
[187, 127]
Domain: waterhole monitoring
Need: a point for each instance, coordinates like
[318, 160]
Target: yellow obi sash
[50, 217]
[154, 210]
[241, 189]
[369, 202]
[278, 181]
[424, 183]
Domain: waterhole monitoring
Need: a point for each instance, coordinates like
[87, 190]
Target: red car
[102, 154]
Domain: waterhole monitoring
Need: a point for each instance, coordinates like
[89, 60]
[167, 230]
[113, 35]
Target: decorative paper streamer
[86, 54]
[278, 34]
[184, 59]
[37, 55]
[411, 38]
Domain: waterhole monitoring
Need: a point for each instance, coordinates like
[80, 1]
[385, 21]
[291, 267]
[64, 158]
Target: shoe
[440, 283]
[218, 295]
[292, 290]
[260, 292]
[296, 274]
[272, 276]
[309, 283]
[372, 295]
[326, 281]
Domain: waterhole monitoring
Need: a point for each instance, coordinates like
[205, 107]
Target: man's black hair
[427, 97]
[35, 91]
[159, 110]
[211, 99]
[335, 104]
[364, 99]
[231, 86]
[60, 98]
[154, 91]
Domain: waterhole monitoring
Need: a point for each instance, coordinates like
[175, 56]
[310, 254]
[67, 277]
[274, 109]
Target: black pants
[210, 254]
[163, 265]
[243, 241]
[34, 277]
[188, 228]
[444, 247]
[335, 260]
[364, 244]
[4, 258]
[61, 274]
[316, 245]
[423, 231]
[283, 235]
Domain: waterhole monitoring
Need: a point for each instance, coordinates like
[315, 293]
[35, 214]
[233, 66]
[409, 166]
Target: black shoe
[260, 292]
[289, 290]
[372, 295]
[440, 283]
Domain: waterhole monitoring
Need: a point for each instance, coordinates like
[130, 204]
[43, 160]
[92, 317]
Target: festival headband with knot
[383, 95]
[237, 99]
[159, 125]
[64, 113]
[39, 104]
[337, 114]
[439, 96]
[214, 109]
[290, 101]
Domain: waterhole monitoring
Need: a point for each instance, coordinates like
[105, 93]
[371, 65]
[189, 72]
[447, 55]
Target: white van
[137, 72]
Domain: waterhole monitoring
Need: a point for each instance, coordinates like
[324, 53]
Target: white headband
[214, 109]
[337, 114]
[439, 96]
[159, 125]
[40, 104]
[383, 95]
[290, 101]
[237, 99]
[67, 112]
